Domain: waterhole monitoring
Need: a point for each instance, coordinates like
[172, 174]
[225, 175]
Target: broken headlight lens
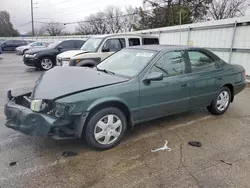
[60, 109]
[38, 105]
[49, 107]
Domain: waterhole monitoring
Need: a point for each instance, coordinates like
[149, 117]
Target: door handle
[219, 78]
[185, 85]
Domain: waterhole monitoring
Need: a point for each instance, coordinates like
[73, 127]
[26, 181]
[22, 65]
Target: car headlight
[78, 60]
[38, 105]
[30, 55]
[49, 107]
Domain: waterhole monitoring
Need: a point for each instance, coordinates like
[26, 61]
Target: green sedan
[134, 85]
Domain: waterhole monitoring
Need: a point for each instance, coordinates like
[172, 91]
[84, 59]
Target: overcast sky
[57, 10]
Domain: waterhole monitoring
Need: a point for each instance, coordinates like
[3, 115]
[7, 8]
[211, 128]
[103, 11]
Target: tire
[98, 133]
[46, 60]
[221, 103]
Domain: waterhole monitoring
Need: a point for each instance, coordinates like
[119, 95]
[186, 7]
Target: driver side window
[171, 64]
[114, 45]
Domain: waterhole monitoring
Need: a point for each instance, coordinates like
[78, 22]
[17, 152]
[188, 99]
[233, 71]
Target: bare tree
[54, 28]
[221, 9]
[132, 19]
[114, 19]
[111, 20]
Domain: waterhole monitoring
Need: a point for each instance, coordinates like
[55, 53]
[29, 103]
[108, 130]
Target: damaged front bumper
[20, 118]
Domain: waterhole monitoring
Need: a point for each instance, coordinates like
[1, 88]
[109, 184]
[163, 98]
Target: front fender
[105, 100]
[85, 115]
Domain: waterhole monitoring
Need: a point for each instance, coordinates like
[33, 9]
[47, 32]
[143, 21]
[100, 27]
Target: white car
[22, 49]
[100, 47]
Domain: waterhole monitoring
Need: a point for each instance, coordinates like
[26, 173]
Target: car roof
[163, 47]
[123, 35]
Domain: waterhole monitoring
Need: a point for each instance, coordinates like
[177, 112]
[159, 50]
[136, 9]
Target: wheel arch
[231, 88]
[104, 103]
[87, 63]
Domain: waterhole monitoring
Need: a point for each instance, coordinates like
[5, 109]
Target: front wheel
[105, 128]
[46, 63]
[221, 103]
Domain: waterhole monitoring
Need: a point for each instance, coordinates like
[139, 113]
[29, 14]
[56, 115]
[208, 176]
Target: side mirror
[105, 50]
[154, 76]
[60, 48]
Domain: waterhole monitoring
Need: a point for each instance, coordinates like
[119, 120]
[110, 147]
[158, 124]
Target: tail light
[244, 75]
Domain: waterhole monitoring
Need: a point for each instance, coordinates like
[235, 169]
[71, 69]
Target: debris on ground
[13, 163]
[226, 162]
[195, 144]
[165, 147]
[69, 154]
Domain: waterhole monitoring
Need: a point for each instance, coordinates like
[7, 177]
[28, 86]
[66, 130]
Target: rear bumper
[239, 87]
[26, 121]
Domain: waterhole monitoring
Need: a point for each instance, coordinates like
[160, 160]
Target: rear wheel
[46, 63]
[105, 128]
[221, 103]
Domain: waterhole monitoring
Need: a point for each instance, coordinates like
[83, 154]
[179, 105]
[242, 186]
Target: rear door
[8, 45]
[205, 73]
[170, 95]
[67, 45]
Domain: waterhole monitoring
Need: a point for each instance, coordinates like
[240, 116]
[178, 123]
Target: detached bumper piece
[21, 118]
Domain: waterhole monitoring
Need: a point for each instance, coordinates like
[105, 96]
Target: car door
[172, 94]
[206, 74]
[111, 46]
[16, 43]
[67, 45]
[7, 46]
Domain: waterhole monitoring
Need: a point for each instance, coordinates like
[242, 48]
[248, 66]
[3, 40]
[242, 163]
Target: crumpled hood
[61, 81]
[69, 54]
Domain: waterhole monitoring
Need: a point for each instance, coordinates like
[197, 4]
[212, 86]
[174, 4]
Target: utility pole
[32, 18]
[180, 25]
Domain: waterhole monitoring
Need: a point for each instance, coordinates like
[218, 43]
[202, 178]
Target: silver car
[22, 49]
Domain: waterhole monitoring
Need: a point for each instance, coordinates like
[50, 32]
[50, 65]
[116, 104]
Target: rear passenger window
[200, 61]
[9, 42]
[79, 43]
[134, 41]
[147, 41]
[67, 44]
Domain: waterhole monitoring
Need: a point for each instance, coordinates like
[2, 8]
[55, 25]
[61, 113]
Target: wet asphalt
[222, 161]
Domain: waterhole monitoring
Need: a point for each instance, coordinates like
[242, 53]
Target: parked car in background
[0, 50]
[11, 45]
[100, 47]
[134, 85]
[45, 58]
[22, 49]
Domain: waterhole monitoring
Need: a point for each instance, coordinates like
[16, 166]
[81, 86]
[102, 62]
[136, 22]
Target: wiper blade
[106, 71]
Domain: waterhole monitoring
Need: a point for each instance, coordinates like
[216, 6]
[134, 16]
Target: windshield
[127, 62]
[92, 44]
[53, 45]
[30, 44]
